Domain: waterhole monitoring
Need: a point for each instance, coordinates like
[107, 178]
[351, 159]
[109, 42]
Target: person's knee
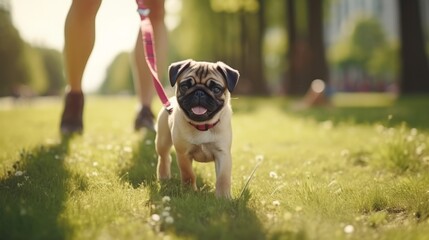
[157, 11]
[87, 7]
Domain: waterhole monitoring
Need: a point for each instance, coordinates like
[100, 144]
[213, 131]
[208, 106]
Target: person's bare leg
[79, 33]
[142, 77]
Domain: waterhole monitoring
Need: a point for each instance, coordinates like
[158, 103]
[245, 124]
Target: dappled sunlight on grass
[330, 173]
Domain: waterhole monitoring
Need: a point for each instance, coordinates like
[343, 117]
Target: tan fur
[191, 144]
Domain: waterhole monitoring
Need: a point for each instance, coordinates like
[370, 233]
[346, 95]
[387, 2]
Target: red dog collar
[204, 127]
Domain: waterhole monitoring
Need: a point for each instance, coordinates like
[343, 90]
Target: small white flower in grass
[155, 217]
[420, 149]
[276, 203]
[166, 199]
[259, 157]
[19, 173]
[167, 209]
[349, 229]
[165, 214]
[127, 149]
[169, 220]
[273, 175]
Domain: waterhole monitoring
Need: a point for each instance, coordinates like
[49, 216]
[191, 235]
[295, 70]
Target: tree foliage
[12, 61]
[119, 77]
[367, 49]
[36, 70]
[306, 56]
[230, 31]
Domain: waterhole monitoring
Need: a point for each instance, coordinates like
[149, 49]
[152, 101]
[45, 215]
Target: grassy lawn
[327, 173]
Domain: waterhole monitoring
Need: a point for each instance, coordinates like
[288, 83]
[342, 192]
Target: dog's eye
[216, 90]
[185, 85]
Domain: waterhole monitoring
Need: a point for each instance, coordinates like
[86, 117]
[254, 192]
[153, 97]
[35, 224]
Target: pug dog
[199, 126]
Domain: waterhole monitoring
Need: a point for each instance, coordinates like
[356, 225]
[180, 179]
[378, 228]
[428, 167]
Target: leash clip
[143, 11]
[169, 109]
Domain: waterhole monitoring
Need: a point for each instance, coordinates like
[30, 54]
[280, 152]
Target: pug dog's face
[203, 88]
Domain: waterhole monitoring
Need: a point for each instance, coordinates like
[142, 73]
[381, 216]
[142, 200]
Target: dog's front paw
[223, 194]
[163, 169]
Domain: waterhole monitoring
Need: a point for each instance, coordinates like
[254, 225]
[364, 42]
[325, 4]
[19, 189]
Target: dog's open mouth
[198, 110]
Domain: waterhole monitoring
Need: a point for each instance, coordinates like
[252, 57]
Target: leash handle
[150, 55]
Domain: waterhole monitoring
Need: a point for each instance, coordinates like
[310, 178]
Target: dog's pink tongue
[199, 110]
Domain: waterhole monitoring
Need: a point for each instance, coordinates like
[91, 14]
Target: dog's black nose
[199, 93]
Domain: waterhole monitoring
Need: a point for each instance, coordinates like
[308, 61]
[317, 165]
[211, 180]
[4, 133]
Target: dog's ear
[231, 75]
[175, 69]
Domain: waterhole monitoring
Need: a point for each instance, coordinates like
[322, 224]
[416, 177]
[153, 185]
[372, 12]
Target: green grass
[327, 173]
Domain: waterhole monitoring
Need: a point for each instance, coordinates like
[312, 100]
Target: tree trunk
[415, 67]
[252, 73]
[319, 66]
[298, 78]
[291, 30]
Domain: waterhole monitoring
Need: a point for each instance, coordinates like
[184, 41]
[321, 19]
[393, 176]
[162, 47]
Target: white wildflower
[19, 173]
[273, 175]
[127, 149]
[420, 149]
[165, 214]
[155, 217]
[276, 203]
[166, 199]
[349, 229]
[169, 220]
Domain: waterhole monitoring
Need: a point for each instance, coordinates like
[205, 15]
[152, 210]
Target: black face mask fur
[199, 96]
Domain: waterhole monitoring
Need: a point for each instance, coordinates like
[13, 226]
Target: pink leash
[149, 50]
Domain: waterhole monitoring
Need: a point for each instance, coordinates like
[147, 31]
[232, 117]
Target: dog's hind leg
[163, 145]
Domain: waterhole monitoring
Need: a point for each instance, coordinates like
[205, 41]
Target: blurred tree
[306, 57]
[366, 38]
[12, 64]
[35, 66]
[119, 77]
[53, 67]
[366, 53]
[415, 67]
[225, 30]
[251, 42]
[319, 67]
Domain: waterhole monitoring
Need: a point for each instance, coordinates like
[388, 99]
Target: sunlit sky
[41, 23]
